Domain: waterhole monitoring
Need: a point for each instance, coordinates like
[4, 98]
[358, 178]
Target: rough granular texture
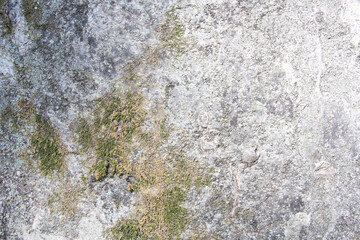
[181, 119]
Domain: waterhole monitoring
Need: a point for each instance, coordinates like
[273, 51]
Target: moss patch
[85, 136]
[163, 179]
[175, 215]
[65, 201]
[172, 43]
[164, 131]
[131, 141]
[128, 230]
[116, 121]
[9, 117]
[45, 144]
[14, 117]
[32, 11]
[4, 16]
[46, 147]
[124, 146]
[162, 189]
[172, 33]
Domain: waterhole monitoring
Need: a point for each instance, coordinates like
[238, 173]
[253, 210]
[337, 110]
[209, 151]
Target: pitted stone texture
[281, 75]
[267, 97]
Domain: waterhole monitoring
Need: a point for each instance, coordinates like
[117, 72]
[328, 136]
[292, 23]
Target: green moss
[116, 120]
[133, 187]
[112, 111]
[100, 169]
[131, 74]
[4, 16]
[182, 176]
[32, 11]
[46, 147]
[107, 155]
[175, 215]
[7, 113]
[10, 117]
[145, 137]
[85, 136]
[167, 220]
[163, 186]
[164, 131]
[162, 177]
[172, 33]
[14, 117]
[105, 148]
[65, 200]
[126, 230]
[45, 143]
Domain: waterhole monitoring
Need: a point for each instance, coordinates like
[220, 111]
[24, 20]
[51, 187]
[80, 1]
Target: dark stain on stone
[234, 121]
[296, 204]
[303, 235]
[276, 234]
[335, 127]
[319, 17]
[107, 67]
[281, 106]
[83, 81]
[357, 60]
[92, 42]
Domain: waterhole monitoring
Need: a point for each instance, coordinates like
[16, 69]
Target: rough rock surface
[266, 96]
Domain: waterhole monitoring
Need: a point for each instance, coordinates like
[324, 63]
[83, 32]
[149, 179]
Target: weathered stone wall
[265, 95]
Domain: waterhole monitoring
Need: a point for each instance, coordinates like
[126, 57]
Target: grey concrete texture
[267, 95]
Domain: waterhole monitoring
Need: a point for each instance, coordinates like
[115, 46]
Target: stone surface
[267, 95]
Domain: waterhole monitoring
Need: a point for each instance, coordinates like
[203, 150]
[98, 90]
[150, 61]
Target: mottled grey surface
[267, 95]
